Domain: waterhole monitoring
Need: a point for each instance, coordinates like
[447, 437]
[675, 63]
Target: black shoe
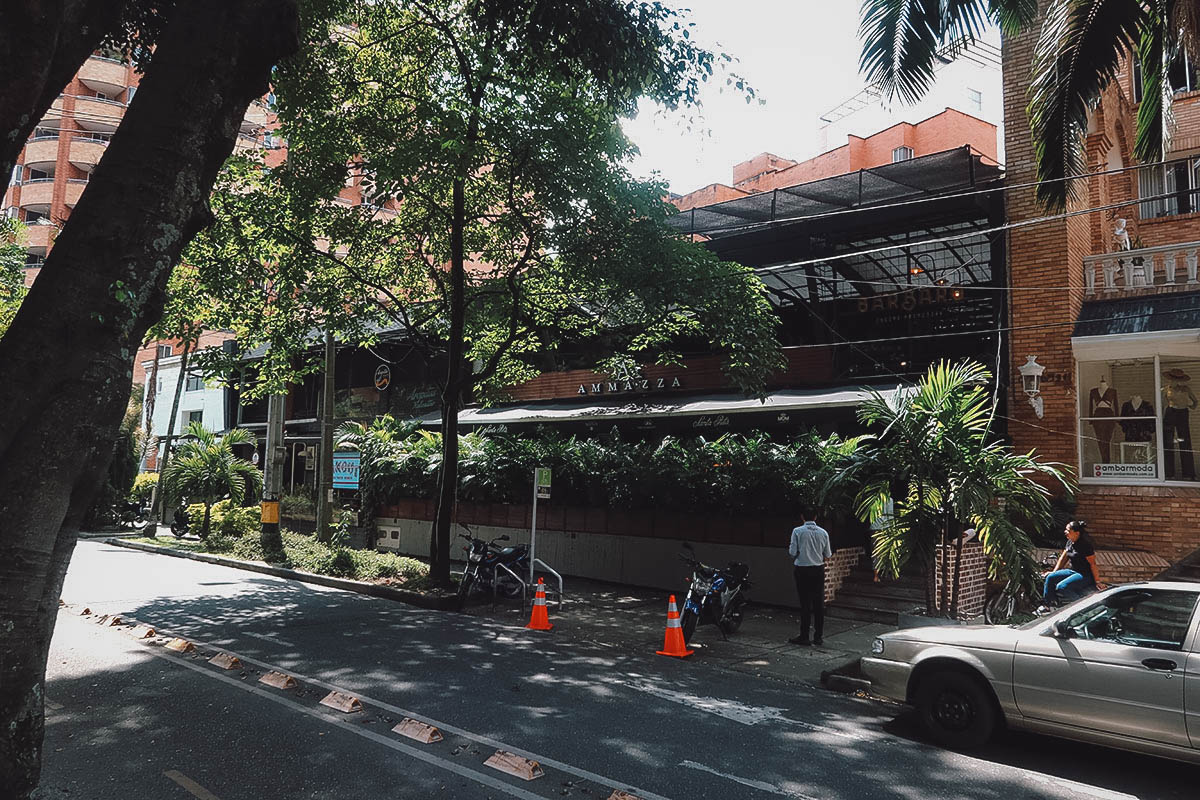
[799, 640]
[818, 641]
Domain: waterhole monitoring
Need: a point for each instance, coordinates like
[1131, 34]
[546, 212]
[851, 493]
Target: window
[129, 93]
[34, 262]
[975, 100]
[1156, 618]
[1175, 187]
[194, 416]
[1182, 75]
[38, 175]
[35, 218]
[194, 383]
[1137, 420]
[901, 153]
[165, 350]
[16, 176]
[158, 387]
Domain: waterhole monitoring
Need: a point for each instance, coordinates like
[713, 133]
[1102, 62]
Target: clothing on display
[1102, 402]
[1178, 402]
[1137, 430]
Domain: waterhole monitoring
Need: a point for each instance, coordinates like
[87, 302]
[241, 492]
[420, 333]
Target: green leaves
[204, 467]
[12, 270]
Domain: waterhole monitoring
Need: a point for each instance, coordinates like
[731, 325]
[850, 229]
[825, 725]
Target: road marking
[196, 789]
[420, 755]
[1084, 789]
[268, 638]
[753, 784]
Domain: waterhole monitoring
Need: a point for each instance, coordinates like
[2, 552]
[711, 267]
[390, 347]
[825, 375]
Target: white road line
[443, 726]
[268, 638]
[1087, 790]
[196, 789]
[753, 784]
[420, 755]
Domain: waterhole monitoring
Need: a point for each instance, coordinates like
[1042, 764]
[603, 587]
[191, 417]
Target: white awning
[562, 411]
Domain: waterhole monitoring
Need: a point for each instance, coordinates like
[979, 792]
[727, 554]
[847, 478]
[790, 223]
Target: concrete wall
[634, 560]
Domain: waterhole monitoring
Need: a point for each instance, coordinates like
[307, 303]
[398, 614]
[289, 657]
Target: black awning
[1147, 314]
[937, 173]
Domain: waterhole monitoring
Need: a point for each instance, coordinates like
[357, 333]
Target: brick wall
[1164, 520]
[972, 583]
[842, 563]
[1119, 566]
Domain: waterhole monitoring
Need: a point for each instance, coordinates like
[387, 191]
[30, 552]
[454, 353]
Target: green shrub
[143, 487]
[240, 522]
[297, 505]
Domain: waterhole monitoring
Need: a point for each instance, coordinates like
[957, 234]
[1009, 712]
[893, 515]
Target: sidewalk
[634, 619]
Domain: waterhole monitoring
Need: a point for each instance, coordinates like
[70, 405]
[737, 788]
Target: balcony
[103, 75]
[86, 152]
[41, 151]
[1146, 268]
[37, 194]
[94, 114]
[39, 237]
[75, 187]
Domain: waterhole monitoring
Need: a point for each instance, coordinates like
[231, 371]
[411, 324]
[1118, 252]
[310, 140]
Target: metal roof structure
[1147, 314]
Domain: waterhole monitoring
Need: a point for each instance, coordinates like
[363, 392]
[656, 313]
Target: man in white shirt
[810, 553]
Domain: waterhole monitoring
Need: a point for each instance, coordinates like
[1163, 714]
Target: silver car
[1119, 668]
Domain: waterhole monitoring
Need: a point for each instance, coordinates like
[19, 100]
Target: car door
[1116, 665]
[1191, 685]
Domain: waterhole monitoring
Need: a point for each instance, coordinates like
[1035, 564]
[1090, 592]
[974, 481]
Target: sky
[801, 57]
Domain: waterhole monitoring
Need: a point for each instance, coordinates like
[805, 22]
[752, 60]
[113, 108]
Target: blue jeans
[1065, 585]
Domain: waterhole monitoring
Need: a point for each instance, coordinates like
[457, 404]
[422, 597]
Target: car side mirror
[1064, 631]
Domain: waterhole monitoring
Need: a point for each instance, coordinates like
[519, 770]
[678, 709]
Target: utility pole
[157, 497]
[272, 541]
[325, 484]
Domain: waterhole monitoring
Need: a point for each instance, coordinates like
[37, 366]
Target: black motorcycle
[717, 595]
[179, 521]
[130, 512]
[483, 571]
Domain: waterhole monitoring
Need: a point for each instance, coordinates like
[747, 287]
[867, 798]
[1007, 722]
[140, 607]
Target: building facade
[1106, 303]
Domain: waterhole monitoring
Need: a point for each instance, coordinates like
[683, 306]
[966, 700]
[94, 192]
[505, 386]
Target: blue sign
[345, 470]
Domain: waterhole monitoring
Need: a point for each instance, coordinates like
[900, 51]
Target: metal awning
[1146, 314]
[775, 402]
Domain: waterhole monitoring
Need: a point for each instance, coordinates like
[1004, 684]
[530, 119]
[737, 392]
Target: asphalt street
[129, 719]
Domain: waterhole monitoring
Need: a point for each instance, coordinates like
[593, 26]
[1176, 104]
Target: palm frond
[1154, 112]
[1078, 53]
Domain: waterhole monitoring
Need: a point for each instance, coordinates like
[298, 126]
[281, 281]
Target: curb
[359, 587]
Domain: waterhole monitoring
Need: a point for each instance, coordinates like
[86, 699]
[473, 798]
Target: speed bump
[278, 680]
[619, 795]
[226, 661]
[87, 612]
[111, 623]
[422, 732]
[345, 703]
[515, 765]
[143, 632]
[180, 645]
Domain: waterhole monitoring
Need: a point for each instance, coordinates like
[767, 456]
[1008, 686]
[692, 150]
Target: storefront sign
[712, 421]
[345, 470]
[1124, 471]
[632, 381]
[911, 299]
[383, 377]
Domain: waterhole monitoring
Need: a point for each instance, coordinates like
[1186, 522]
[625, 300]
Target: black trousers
[1175, 424]
[810, 586]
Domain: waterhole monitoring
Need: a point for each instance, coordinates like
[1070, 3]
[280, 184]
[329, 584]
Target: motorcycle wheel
[733, 619]
[464, 589]
[687, 621]
[508, 588]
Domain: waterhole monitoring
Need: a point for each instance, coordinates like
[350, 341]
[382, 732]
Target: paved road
[131, 720]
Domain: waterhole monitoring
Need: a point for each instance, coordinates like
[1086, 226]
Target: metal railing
[1145, 267]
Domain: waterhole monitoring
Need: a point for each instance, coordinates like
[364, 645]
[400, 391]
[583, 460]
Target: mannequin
[1102, 402]
[1137, 430]
[1178, 402]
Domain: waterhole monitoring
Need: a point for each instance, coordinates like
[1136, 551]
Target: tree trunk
[206, 527]
[44, 42]
[439, 567]
[148, 408]
[102, 286]
[158, 502]
[325, 490]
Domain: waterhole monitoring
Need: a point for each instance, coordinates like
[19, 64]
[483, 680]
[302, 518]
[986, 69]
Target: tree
[1079, 49]
[935, 469]
[12, 270]
[102, 284]
[499, 220]
[205, 469]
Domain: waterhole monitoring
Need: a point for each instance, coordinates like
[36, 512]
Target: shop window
[1137, 420]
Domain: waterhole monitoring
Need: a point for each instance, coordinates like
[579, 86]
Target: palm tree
[1079, 50]
[205, 468]
[935, 469]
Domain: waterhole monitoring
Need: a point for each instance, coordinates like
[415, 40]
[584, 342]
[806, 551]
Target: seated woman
[1075, 573]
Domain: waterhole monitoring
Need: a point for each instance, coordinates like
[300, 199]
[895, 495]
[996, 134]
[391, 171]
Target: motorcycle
[484, 559]
[179, 522]
[130, 512]
[717, 595]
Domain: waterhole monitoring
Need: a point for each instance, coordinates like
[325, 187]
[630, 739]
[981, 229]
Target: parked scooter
[130, 512]
[717, 595]
[179, 521]
[484, 561]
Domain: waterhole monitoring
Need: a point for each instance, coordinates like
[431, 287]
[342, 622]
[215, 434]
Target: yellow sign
[270, 512]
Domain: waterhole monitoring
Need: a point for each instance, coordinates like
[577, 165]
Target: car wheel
[956, 710]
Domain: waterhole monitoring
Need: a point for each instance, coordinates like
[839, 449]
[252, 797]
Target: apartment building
[1105, 311]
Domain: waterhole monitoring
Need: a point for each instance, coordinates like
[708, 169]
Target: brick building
[1113, 319]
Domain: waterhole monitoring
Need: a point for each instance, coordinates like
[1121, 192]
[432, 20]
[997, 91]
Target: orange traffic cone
[673, 643]
[539, 620]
